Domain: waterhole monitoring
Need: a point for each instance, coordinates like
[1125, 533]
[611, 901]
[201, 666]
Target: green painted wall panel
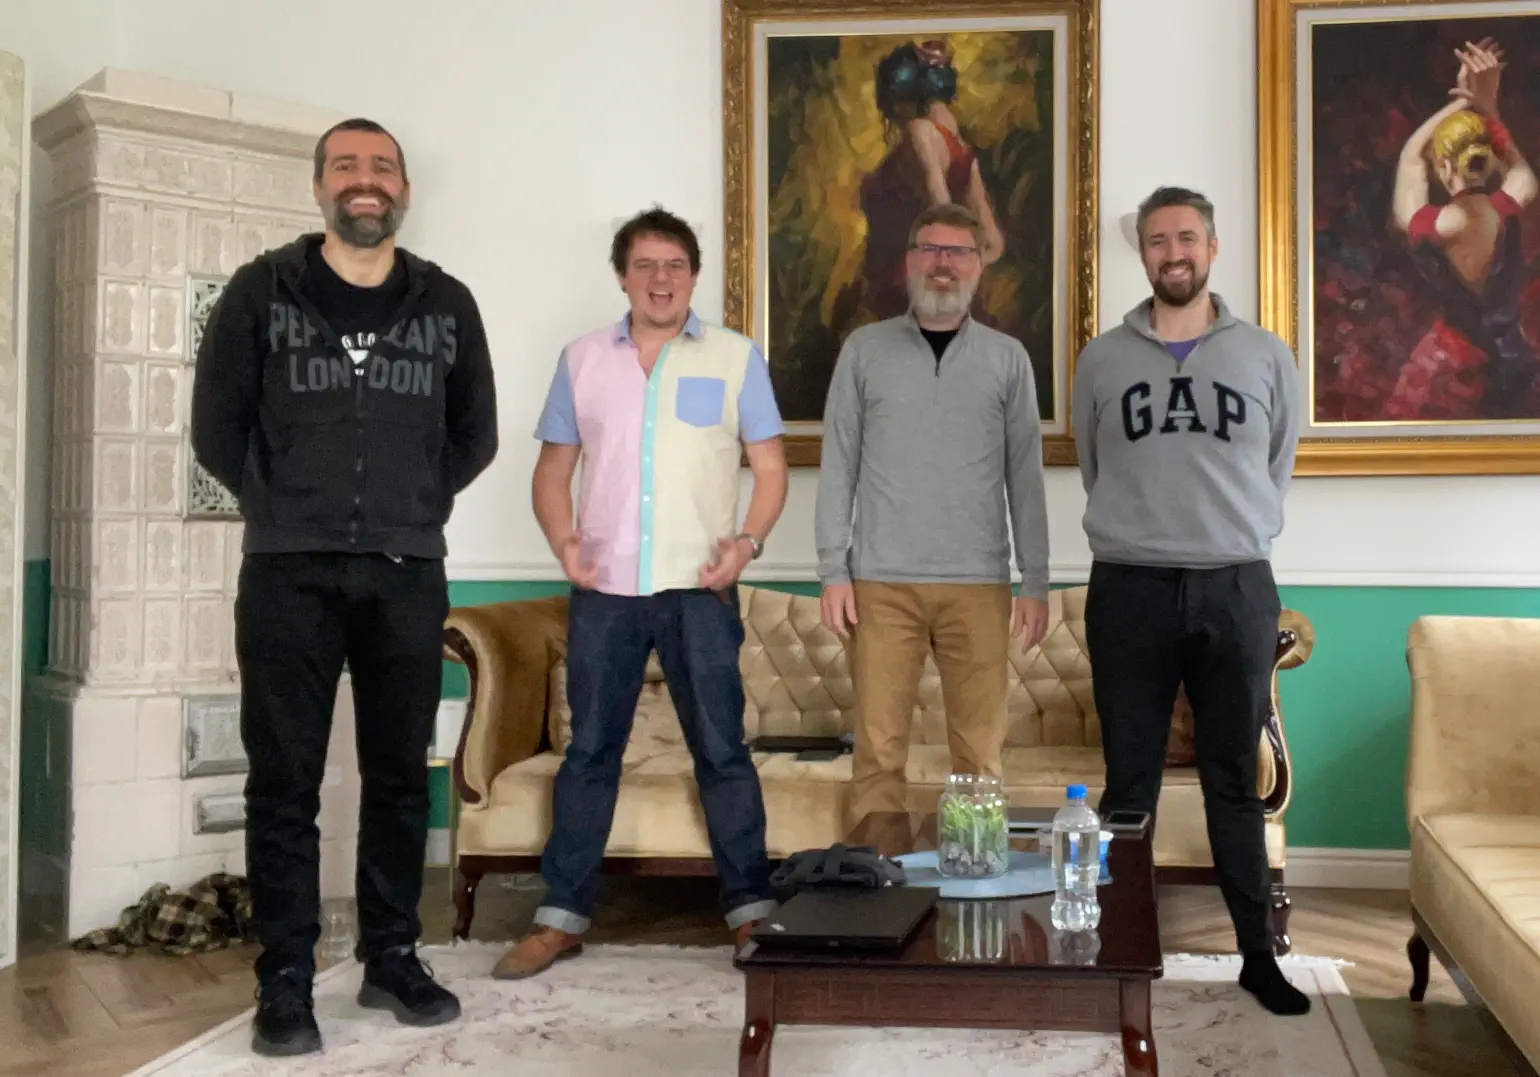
[439, 779]
[35, 582]
[1346, 711]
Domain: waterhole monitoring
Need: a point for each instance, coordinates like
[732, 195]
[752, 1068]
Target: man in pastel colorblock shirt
[658, 408]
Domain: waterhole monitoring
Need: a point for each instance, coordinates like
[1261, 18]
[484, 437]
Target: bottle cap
[1076, 792]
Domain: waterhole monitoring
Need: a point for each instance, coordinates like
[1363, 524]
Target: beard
[1183, 292]
[940, 295]
[364, 230]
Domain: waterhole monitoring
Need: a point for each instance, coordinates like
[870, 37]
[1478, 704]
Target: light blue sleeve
[759, 419]
[558, 419]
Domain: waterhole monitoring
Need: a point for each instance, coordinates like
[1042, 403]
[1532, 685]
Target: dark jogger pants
[1149, 630]
[297, 617]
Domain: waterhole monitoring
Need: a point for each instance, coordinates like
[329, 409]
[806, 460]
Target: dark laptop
[1021, 819]
[848, 918]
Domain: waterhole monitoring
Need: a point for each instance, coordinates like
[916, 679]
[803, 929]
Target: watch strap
[755, 546]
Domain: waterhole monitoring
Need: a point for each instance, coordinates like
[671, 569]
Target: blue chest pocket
[699, 401]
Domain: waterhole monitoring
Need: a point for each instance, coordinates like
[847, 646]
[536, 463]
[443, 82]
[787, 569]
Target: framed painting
[1397, 139]
[843, 121]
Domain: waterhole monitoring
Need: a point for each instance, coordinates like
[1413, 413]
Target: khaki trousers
[967, 626]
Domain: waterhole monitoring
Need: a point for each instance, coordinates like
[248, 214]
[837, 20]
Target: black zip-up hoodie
[328, 456]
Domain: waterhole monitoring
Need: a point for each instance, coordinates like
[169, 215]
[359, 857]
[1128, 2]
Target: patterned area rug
[631, 1011]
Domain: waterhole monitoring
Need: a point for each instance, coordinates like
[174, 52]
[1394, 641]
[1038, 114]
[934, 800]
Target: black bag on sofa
[857, 867]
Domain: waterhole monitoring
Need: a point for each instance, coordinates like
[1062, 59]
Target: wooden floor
[65, 1014]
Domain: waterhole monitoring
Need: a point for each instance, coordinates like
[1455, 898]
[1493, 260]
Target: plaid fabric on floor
[208, 915]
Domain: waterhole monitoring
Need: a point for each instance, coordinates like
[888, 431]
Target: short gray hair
[948, 213]
[1166, 197]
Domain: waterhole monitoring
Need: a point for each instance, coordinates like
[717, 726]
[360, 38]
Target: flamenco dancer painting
[1469, 247]
[864, 132]
[930, 163]
[1436, 318]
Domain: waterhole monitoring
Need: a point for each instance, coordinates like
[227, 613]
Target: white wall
[531, 134]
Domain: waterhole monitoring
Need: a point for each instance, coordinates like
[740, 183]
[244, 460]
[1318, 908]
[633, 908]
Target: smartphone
[1127, 822]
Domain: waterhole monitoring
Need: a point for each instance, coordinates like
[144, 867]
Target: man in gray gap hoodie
[932, 461]
[1186, 423]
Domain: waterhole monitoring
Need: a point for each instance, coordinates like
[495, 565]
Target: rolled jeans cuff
[562, 919]
[754, 910]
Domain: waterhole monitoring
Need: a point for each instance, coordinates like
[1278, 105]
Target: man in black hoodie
[344, 393]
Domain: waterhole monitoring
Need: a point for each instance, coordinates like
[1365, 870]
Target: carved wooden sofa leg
[1282, 944]
[467, 878]
[1418, 953]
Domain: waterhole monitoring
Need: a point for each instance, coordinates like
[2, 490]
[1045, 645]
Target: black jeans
[297, 617]
[698, 635]
[1150, 630]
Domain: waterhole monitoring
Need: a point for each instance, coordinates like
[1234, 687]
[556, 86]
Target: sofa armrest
[508, 649]
[1296, 639]
[1475, 729]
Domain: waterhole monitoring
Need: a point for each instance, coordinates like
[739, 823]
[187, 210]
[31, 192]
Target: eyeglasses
[937, 250]
[674, 267]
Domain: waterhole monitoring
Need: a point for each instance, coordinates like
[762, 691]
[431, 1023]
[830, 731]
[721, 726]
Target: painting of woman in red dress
[863, 131]
[931, 163]
[1426, 300]
[1474, 362]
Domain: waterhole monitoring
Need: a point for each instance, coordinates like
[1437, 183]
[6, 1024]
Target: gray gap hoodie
[1185, 464]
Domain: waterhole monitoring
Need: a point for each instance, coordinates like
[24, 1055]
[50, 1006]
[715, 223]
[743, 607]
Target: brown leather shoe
[536, 952]
[741, 934]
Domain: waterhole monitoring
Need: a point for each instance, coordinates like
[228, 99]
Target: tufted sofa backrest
[797, 680]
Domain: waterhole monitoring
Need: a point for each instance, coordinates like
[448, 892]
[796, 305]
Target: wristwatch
[755, 546]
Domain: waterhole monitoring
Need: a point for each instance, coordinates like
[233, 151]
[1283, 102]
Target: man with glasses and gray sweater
[932, 463]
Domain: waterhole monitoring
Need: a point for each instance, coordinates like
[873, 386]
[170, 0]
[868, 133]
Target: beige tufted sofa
[1473, 803]
[796, 681]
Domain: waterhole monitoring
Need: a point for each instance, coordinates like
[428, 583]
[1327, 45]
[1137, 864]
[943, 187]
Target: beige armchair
[1473, 805]
[797, 681]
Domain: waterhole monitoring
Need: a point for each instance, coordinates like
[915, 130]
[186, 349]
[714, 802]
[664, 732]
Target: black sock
[1263, 978]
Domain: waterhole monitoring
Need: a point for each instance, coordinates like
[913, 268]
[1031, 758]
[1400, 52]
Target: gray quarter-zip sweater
[1185, 462]
[925, 460]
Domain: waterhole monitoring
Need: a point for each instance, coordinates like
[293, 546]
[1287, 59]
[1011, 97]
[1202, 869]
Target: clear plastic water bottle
[1077, 864]
[339, 930]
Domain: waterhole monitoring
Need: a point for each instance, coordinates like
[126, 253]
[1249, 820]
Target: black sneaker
[285, 1022]
[397, 981]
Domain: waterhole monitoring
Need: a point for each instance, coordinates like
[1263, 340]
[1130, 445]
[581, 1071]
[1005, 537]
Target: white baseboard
[438, 847]
[1346, 869]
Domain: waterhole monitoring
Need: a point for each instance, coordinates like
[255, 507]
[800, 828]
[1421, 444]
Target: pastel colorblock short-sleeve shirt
[660, 454]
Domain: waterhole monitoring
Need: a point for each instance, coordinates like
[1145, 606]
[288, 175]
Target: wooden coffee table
[993, 963]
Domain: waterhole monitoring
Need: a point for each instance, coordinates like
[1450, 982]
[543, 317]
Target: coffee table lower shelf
[878, 996]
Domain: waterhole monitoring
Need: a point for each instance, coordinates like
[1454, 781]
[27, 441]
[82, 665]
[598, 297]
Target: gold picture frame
[748, 29]
[1294, 286]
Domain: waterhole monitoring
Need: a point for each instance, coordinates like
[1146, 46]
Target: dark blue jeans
[697, 634]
